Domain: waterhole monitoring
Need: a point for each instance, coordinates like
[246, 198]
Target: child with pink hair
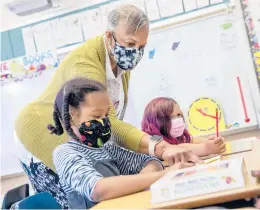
[164, 117]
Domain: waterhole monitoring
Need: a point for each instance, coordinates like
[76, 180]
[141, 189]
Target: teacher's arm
[134, 139]
[255, 155]
[90, 66]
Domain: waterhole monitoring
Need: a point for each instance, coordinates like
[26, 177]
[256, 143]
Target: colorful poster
[253, 33]
[27, 67]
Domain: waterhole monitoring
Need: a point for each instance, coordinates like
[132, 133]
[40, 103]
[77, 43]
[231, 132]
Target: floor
[12, 182]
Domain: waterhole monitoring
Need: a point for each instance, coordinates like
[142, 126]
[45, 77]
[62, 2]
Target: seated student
[164, 117]
[90, 169]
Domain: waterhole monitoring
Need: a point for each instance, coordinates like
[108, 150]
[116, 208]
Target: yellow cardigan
[31, 125]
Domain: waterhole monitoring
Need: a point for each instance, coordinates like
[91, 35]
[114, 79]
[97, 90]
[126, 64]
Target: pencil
[217, 122]
[210, 160]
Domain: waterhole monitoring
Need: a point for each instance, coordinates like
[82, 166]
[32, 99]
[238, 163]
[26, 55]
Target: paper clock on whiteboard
[202, 117]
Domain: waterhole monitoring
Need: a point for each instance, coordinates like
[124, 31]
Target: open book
[199, 180]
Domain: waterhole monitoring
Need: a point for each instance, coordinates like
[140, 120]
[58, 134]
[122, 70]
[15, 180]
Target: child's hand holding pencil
[215, 145]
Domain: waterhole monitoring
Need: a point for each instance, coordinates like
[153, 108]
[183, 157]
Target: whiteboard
[14, 97]
[200, 59]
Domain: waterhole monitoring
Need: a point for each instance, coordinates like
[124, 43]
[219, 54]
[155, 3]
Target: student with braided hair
[90, 169]
[108, 59]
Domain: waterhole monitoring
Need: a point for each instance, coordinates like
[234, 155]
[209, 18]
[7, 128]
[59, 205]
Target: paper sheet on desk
[254, 164]
[240, 145]
[170, 7]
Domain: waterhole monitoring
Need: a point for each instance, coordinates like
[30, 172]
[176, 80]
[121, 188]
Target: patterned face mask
[95, 133]
[126, 58]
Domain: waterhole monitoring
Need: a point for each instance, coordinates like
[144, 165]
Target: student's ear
[74, 115]
[73, 122]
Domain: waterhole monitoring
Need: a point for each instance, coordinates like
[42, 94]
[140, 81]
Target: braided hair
[71, 94]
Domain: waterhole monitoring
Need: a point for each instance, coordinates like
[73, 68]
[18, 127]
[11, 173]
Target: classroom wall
[10, 20]
[13, 98]
[61, 20]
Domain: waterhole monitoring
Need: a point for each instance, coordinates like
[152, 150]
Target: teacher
[107, 59]
[256, 173]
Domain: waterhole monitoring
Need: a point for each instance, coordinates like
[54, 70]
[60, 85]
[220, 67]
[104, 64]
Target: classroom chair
[15, 195]
[39, 201]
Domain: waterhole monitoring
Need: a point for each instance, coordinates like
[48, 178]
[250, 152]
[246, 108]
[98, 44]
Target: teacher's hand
[256, 167]
[175, 154]
[256, 173]
[256, 155]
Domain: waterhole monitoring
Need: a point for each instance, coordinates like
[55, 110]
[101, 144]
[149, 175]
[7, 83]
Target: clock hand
[200, 111]
[211, 116]
[205, 114]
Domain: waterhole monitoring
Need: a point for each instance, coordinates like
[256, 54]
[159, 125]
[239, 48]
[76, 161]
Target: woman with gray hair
[107, 59]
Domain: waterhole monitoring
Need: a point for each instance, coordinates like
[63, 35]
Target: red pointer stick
[247, 119]
[217, 132]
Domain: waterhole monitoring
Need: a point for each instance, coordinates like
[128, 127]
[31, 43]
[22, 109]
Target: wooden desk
[142, 200]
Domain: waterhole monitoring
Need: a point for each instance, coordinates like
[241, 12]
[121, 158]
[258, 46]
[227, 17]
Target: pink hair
[157, 120]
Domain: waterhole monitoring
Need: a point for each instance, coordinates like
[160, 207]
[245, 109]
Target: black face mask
[95, 133]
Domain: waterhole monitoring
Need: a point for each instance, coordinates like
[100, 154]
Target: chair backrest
[39, 201]
[15, 195]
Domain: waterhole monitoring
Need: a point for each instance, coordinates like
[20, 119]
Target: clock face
[202, 114]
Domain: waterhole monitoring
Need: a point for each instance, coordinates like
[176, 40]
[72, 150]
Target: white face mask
[177, 127]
